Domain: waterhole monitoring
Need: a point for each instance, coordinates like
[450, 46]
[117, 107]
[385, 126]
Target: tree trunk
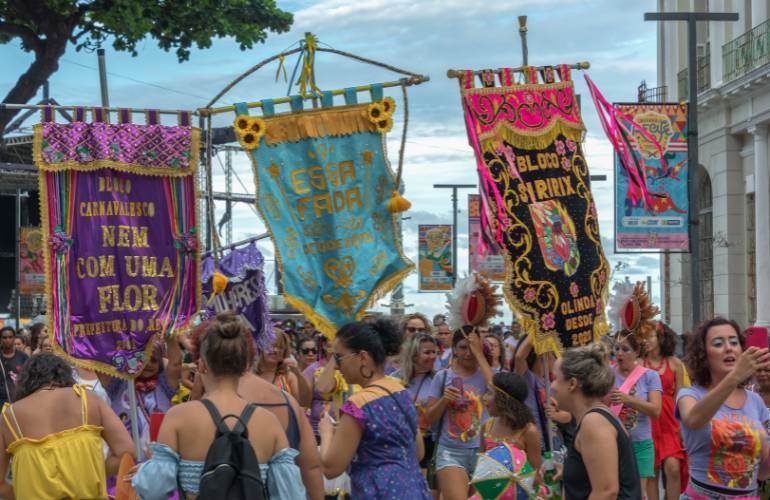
[45, 64]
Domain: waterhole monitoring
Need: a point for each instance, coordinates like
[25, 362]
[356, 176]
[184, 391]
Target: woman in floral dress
[377, 436]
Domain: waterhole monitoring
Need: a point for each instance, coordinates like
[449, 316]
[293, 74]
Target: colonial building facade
[733, 178]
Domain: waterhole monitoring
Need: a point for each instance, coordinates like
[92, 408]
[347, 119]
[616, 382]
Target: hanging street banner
[437, 273]
[527, 141]
[490, 264]
[245, 293]
[323, 182]
[32, 279]
[662, 225]
[120, 236]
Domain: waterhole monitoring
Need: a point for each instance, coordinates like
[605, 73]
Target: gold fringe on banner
[540, 139]
[323, 122]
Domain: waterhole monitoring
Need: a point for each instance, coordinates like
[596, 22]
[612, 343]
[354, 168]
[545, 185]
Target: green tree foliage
[47, 27]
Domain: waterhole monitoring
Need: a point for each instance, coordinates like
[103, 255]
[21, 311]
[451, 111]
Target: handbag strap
[393, 397]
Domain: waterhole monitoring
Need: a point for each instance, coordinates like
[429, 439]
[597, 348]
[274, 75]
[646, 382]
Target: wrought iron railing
[651, 94]
[703, 73]
[747, 52]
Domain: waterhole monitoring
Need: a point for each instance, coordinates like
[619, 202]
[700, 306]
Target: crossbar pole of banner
[456, 73]
[56, 107]
[404, 82]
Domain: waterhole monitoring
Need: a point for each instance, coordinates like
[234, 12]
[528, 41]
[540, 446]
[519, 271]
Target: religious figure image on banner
[527, 140]
[435, 251]
[660, 224]
[119, 207]
[323, 182]
[32, 279]
[487, 262]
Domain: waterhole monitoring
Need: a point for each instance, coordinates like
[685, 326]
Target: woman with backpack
[196, 446]
[377, 436]
[290, 414]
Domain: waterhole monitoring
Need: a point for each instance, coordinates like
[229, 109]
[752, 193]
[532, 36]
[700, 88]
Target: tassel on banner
[398, 203]
[218, 285]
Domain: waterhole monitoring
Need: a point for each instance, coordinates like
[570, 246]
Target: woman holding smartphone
[455, 402]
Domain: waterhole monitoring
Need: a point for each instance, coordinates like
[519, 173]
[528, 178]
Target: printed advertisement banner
[663, 224]
[323, 182]
[437, 273]
[32, 261]
[119, 207]
[490, 265]
[527, 141]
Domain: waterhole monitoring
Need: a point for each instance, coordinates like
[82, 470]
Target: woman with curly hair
[723, 424]
[54, 433]
[669, 451]
[510, 419]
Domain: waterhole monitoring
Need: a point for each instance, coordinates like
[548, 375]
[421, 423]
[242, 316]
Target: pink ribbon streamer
[615, 129]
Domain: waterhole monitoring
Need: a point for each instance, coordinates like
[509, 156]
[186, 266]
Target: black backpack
[231, 471]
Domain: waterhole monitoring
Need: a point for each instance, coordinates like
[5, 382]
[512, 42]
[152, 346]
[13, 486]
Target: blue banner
[323, 184]
[663, 225]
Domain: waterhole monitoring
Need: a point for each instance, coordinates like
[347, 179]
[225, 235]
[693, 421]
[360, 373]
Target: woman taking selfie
[723, 424]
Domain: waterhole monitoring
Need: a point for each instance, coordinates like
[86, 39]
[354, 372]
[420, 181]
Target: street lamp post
[692, 18]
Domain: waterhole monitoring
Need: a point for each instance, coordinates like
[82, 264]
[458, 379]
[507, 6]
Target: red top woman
[669, 452]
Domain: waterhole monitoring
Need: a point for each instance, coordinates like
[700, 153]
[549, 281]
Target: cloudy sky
[422, 36]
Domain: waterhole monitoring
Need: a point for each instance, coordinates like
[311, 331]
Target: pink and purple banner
[120, 232]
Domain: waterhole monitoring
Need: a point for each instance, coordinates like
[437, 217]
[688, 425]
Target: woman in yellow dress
[54, 433]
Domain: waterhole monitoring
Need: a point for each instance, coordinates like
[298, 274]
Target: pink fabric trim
[694, 495]
[354, 411]
[630, 382]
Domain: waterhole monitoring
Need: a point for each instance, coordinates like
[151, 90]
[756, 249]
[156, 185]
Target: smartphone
[457, 383]
[756, 336]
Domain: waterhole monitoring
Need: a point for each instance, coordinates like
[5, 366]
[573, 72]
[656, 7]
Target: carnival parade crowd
[397, 408]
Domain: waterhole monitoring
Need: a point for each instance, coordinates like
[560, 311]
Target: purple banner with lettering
[119, 218]
[245, 293]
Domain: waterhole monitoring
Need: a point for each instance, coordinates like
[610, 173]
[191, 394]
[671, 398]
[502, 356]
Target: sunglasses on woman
[414, 329]
[308, 350]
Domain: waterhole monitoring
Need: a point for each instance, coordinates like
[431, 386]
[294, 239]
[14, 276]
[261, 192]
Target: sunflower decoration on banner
[637, 313]
[249, 130]
[380, 113]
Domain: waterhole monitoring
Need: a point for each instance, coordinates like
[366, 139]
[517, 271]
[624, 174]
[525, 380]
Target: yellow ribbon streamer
[281, 59]
[307, 77]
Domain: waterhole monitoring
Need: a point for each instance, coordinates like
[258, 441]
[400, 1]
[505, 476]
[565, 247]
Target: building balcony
[746, 53]
[703, 74]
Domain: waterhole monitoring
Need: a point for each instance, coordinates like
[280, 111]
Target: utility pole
[454, 188]
[131, 382]
[103, 78]
[692, 18]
